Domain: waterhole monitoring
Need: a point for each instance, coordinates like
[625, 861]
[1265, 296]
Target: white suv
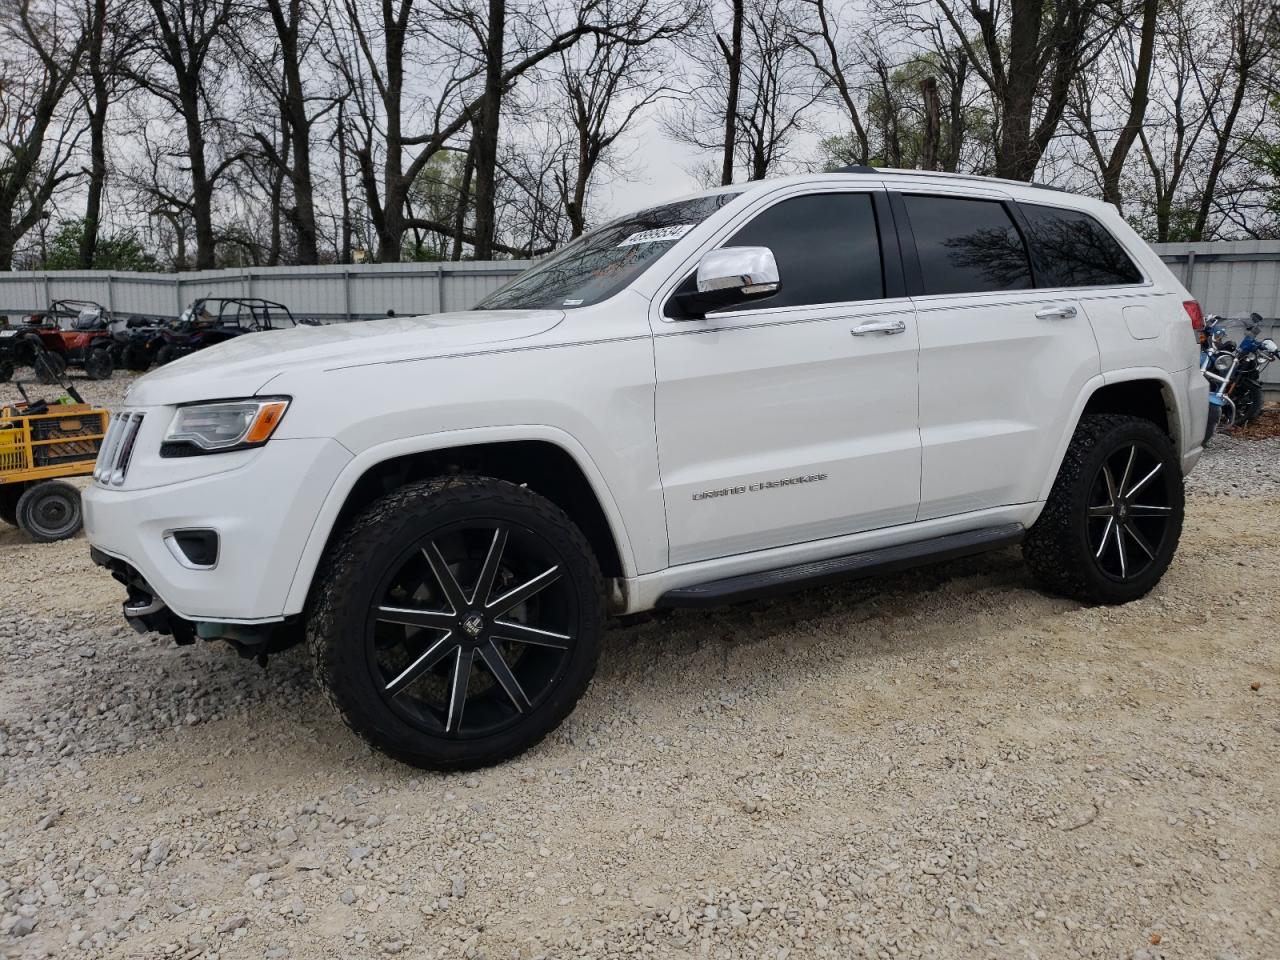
[754, 389]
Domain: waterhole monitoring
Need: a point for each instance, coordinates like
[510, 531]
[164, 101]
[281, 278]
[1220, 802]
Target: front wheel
[98, 364]
[1112, 521]
[457, 622]
[49, 367]
[6, 371]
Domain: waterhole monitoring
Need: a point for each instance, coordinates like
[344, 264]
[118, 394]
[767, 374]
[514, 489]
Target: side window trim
[1039, 269]
[893, 282]
[908, 258]
[891, 261]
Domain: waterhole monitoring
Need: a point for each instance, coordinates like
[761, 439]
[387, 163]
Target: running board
[750, 586]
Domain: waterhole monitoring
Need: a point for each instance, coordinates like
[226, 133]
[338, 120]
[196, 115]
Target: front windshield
[596, 266]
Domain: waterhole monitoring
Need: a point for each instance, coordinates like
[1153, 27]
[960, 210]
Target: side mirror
[730, 276]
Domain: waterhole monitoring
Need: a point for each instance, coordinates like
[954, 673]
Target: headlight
[223, 425]
[1222, 363]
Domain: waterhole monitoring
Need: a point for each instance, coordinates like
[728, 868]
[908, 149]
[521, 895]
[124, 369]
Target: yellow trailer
[40, 446]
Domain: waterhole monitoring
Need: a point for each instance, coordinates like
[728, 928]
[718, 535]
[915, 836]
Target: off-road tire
[9, 496]
[1057, 547]
[135, 358]
[6, 371]
[50, 510]
[98, 364]
[49, 367]
[165, 354]
[345, 590]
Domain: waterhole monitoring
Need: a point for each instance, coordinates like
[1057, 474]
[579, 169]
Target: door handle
[1056, 313]
[879, 326]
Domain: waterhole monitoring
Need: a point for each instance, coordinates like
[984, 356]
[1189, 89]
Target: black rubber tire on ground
[1249, 403]
[341, 632]
[165, 354]
[9, 495]
[49, 367]
[98, 364]
[1059, 549]
[6, 371]
[50, 510]
[135, 357]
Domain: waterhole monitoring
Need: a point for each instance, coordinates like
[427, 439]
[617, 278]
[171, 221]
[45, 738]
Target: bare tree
[40, 49]
[187, 38]
[606, 85]
[820, 33]
[280, 65]
[1248, 22]
[1028, 53]
[769, 100]
[1122, 89]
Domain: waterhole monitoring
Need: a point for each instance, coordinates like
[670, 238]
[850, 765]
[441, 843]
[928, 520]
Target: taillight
[1193, 311]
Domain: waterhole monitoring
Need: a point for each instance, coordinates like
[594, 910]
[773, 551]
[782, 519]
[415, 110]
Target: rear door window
[967, 246]
[1075, 250]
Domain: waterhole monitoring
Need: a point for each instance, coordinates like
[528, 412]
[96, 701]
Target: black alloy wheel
[1130, 512]
[472, 629]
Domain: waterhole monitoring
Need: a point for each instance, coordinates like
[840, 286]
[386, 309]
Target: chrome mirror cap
[750, 271]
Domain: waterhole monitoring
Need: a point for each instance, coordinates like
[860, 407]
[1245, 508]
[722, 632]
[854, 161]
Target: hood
[242, 366]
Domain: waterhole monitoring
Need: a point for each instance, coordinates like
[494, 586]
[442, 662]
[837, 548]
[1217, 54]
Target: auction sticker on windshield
[660, 235]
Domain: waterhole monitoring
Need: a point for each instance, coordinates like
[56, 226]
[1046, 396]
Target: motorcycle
[1234, 370]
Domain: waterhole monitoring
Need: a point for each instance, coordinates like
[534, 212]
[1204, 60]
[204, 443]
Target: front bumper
[263, 511]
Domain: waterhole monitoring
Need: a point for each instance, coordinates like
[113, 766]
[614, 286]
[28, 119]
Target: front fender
[358, 466]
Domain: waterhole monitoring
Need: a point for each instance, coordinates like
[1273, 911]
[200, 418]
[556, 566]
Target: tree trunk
[302, 215]
[389, 218]
[733, 61]
[464, 200]
[201, 188]
[932, 124]
[1016, 156]
[485, 145]
[1111, 191]
[98, 107]
[344, 192]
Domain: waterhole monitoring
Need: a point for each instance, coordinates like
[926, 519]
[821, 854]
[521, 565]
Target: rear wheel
[135, 357]
[98, 364]
[457, 622]
[1113, 518]
[9, 495]
[6, 371]
[49, 367]
[49, 510]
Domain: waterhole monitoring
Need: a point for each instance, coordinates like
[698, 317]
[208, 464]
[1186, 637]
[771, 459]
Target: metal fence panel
[330, 292]
[1231, 277]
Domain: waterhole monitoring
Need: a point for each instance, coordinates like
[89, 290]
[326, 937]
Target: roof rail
[863, 168]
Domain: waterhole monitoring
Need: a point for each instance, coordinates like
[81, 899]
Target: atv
[22, 346]
[213, 320]
[77, 333]
[138, 341]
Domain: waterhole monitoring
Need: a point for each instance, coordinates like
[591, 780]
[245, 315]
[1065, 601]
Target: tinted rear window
[1075, 250]
[967, 246]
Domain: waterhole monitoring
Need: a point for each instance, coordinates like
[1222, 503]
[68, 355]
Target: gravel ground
[941, 764]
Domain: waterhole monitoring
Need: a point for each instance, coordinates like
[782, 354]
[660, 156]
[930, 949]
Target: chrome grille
[117, 448]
